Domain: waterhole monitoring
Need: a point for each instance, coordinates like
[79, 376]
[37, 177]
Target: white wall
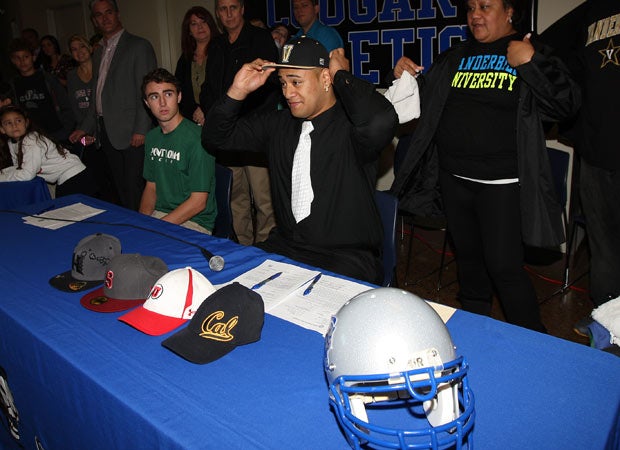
[551, 10]
[174, 12]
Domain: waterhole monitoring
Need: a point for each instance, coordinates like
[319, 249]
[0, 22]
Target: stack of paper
[61, 217]
[306, 297]
[285, 289]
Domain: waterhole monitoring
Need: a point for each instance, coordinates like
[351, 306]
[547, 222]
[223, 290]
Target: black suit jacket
[124, 112]
[225, 60]
[183, 72]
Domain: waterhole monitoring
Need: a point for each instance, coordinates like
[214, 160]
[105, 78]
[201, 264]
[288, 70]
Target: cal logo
[214, 328]
[286, 53]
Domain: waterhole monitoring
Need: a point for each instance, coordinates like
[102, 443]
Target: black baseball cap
[302, 53]
[228, 318]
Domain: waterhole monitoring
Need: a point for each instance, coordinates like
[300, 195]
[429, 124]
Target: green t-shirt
[178, 165]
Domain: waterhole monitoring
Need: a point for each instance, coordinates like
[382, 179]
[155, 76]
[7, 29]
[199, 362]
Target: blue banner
[376, 33]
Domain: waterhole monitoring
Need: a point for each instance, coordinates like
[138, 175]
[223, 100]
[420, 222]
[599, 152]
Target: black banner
[376, 33]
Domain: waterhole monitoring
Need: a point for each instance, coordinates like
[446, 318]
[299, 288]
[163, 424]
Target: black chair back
[388, 210]
[223, 185]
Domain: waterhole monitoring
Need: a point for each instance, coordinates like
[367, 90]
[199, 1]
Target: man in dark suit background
[240, 43]
[118, 114]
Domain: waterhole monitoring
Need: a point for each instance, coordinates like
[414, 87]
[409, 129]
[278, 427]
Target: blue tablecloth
[82, 379]
[14, 194]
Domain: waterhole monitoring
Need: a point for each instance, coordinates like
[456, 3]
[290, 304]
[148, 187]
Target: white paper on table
[284, 296]
[69, 214]
[445, 312]
[275, 291]
[314, 310]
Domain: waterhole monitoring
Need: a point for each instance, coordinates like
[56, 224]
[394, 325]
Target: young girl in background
[34, 154]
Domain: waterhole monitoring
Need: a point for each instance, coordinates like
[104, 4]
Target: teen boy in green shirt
[179, 173]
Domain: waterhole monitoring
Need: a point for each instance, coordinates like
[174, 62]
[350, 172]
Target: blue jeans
[600, 194]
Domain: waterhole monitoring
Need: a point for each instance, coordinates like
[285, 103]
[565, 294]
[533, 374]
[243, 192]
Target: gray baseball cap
[91, 257]
[128, 282]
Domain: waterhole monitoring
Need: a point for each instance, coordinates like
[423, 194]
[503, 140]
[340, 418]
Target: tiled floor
[559, 312]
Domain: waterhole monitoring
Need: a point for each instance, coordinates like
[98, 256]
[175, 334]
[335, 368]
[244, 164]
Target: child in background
[35, 154]
[41, 94]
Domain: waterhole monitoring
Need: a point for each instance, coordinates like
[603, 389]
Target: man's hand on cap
[250, 77]
[337, 61]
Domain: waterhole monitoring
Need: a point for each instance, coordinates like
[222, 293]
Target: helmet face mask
[394, 379]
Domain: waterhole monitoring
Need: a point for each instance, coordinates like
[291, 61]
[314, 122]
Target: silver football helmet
[394, 378]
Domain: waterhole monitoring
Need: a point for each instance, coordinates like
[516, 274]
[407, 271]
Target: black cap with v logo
[303, 53]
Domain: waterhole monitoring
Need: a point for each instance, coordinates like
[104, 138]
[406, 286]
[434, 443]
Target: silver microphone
[216, 263]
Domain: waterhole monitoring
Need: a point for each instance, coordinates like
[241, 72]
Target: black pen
[267, 280]
[309, 288]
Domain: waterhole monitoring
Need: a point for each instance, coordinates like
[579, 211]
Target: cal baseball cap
[91, 257]
[230, 317]
[302, 53]
[174, 300]
[128, 281]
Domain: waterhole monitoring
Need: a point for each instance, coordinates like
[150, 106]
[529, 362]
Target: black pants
[126, 167]
[81, 183]
[485, 224]
[355, 263]
[92, 156]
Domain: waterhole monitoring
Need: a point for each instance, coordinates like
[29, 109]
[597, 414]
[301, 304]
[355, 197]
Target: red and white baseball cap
[174, 300]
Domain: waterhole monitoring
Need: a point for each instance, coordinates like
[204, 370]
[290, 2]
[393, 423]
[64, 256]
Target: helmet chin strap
[358, 409]
[443, 408]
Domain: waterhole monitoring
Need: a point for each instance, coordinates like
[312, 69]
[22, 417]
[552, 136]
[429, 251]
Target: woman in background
[80, 88]
[54, 61]
[80, 83]
[197, 31]
[481, 137]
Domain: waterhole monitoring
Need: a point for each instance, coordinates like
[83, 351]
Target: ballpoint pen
[309, 288]
[266, 280]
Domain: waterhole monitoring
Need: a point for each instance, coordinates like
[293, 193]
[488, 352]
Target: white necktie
[301, 187]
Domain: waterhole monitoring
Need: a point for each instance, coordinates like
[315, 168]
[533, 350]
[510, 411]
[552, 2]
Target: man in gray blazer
[118, 114]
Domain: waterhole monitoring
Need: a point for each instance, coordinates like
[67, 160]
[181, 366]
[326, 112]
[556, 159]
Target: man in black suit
[241, 43]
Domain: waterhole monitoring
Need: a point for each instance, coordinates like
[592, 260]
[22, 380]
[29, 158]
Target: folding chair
[223, 185]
